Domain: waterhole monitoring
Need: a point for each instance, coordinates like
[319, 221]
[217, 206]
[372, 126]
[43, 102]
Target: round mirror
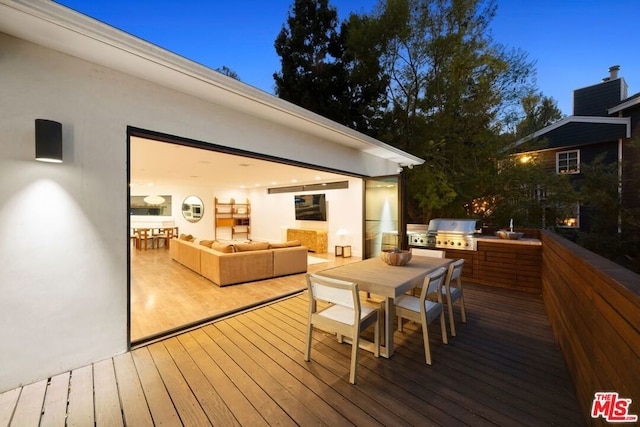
[192, 209]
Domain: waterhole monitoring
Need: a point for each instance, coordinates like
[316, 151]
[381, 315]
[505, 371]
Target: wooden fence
[594, 309]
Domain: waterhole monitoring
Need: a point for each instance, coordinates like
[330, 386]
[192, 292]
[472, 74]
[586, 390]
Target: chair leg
[450, 309]
[463, 314]
[355, 343]
[399, 324]
[425, 338]
[307, 350]
[443, 328]
[376, 339]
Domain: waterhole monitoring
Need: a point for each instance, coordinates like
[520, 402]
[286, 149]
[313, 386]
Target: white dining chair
[431, 253]
[423, 311]
[344, 315]
[453, 292]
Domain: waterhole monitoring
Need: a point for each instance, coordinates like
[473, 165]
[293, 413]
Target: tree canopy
[422, 75]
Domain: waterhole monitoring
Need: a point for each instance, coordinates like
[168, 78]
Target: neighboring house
[604, 121]
[64, 246]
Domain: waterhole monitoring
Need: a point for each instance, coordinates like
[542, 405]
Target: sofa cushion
[278, 245]
[293, 243]
[257, 246]
[226, 248]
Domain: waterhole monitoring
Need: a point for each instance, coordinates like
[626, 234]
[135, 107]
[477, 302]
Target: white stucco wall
[63, 244]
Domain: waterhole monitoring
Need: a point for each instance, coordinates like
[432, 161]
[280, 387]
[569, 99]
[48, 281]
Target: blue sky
[572, 41]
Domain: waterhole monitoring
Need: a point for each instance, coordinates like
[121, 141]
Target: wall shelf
[232, 219]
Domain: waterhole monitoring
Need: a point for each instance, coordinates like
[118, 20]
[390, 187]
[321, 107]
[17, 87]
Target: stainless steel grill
[446, 233]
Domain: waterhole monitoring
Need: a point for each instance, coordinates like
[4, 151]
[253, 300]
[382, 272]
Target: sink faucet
[511, 225]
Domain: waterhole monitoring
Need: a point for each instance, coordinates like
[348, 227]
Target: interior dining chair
[144, 236]
[164, 234]
[423, 311]
[453, 292]
[133, 237]
[344, 315]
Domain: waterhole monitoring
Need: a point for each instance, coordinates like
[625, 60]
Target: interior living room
[167, 296]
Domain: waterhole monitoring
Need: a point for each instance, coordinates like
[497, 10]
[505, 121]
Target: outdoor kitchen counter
[522, 241]
[511, 264]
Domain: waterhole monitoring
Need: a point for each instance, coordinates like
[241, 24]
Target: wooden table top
[375, 276]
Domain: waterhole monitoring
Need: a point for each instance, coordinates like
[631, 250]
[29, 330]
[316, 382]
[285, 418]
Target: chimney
[613, 72]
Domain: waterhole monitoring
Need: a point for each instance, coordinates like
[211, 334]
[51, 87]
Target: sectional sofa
[229, 263]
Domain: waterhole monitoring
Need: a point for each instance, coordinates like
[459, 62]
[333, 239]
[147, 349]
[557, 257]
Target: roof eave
[57, 27]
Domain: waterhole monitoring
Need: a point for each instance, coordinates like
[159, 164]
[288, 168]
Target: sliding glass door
[384, 222]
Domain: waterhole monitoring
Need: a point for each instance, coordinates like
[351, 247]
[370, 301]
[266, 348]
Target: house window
[568, 162]
[571, 218]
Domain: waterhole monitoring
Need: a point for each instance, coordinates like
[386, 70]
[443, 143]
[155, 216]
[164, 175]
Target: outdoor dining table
[376, 277]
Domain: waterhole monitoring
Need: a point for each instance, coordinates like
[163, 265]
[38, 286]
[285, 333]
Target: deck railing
[594, 309]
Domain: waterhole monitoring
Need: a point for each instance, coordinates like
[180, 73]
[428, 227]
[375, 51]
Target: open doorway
[165, 296]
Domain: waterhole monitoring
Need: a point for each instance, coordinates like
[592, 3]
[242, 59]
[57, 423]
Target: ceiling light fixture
[154, 200]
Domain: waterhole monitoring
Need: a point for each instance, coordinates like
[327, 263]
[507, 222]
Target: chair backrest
[432, 253]
[333, 291]
[454, 272]
[433, 283]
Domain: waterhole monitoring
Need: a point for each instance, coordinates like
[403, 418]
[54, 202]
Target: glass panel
[382, 214]
[150, 205]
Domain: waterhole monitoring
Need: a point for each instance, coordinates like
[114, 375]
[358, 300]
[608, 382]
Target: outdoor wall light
[48, 141]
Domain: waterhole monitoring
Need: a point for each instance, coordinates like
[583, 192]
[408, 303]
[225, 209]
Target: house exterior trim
[579, 119]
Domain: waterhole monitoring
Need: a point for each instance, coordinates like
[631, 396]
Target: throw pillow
[206, 243]
[222, 247]
[278, 245]
[243, 247]
[292, 243]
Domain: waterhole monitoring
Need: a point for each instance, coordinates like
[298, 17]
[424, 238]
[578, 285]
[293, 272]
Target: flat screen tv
[310, 207]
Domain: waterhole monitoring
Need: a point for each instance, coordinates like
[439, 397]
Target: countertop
[522, 241]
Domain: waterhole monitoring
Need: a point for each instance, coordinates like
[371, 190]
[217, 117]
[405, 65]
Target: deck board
[54, 411]
[503, 368]
[158, 399]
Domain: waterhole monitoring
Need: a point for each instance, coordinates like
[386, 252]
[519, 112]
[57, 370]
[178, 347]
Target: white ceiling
[161, 163]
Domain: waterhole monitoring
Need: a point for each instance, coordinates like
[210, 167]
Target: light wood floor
[503, 368]
[167, 296]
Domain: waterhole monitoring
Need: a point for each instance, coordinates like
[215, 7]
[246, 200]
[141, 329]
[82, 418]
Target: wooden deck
[504, 368]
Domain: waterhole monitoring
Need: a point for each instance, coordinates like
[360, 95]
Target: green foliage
[451, 84]
[228, 72]
[526, 193]
[539, 111]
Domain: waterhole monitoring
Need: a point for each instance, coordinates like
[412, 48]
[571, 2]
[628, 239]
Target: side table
[343, 251]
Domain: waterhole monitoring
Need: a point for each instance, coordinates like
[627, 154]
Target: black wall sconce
[48, 141]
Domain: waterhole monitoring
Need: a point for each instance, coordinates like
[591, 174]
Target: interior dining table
[378, 278]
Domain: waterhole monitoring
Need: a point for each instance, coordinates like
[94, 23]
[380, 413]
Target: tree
[451, 93]
[335, 74]
[228, 72]
[539, 112]
[309, 48]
